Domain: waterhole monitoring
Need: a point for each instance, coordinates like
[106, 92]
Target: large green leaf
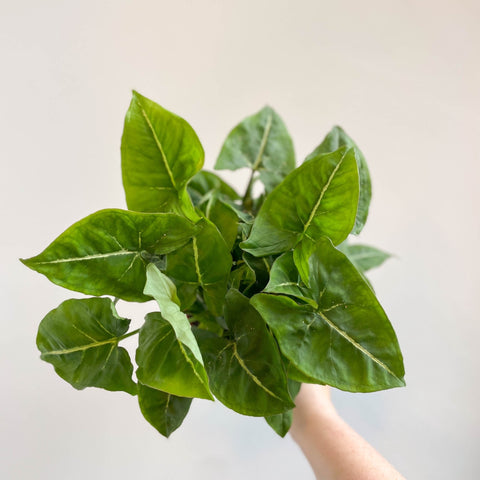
[282, 422]
[262, 143]
[204, 262]
[160, 154]
[364, 257]
[106, 253]
[205, 182]
[318, 198]
[163, 290]
[166, 363]
[335, 139]
[348, 341]
[164, 411]
[80, 339]
[246, 372]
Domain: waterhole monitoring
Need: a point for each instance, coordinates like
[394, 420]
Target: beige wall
[401, 77]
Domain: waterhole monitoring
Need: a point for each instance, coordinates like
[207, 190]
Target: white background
[402, 77]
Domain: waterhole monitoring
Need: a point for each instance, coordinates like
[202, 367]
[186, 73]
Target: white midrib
[322, 194]
[82, 348]
[263, 143]
[354, 343]
[87, 257]
[250, 374]
[159, 146]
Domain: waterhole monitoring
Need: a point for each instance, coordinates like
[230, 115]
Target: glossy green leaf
[106, 253]
[166, 363]
[348, 341]
[246, 372]
[80, 339]
[204, 262]
[160, 154]
[163, 290]
[165, 412]
[318, 198]
[335, 139]
[364, 257]
[205, 182]
[262, 143]
[282, 422]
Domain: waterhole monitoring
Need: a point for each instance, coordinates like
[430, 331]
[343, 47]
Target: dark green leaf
[166, 363]
[318, 198]
[205, 262]
[282, 422]
[246, 371]
[205, 182]
[364, 257]
[335, 139]
[162, 410]
[348, 341]
[106, 252]
[262, 143]
[160, 154]
[80, 339]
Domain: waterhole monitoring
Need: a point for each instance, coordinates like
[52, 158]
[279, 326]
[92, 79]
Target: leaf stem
[128, 334]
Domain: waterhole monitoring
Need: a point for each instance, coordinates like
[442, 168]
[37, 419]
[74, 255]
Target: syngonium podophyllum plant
[255, 294]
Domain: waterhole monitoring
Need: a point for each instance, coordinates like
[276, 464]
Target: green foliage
[255, 294]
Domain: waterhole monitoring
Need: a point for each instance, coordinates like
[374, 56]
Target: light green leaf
[364, 257]
[165, 412]
[335, 139]
[245, 371]
[80, 339]
[106, 253]
[282, 422]
[205, 182]
[163, 290]
[262, 143]
[348, 341]
[167, 364]
[205, 262]
[318, 198]
[160, 154]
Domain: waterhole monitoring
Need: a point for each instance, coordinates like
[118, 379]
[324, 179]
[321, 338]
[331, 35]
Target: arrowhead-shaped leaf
[319, 198]
[205, 262]
[107, 252]
[166, 363]
[80, 339]
[246, 372]
[164, 411]
[348, 341]
[364, 257]
[262, 143]
[160, 154]
[335, 139]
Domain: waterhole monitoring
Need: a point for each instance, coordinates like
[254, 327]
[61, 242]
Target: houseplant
[255, 294]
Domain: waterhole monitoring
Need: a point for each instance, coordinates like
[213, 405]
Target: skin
[334, 450]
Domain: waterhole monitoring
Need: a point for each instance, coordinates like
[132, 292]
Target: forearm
[334, 450]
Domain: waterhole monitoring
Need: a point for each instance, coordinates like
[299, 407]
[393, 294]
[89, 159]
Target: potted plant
[255, 294]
